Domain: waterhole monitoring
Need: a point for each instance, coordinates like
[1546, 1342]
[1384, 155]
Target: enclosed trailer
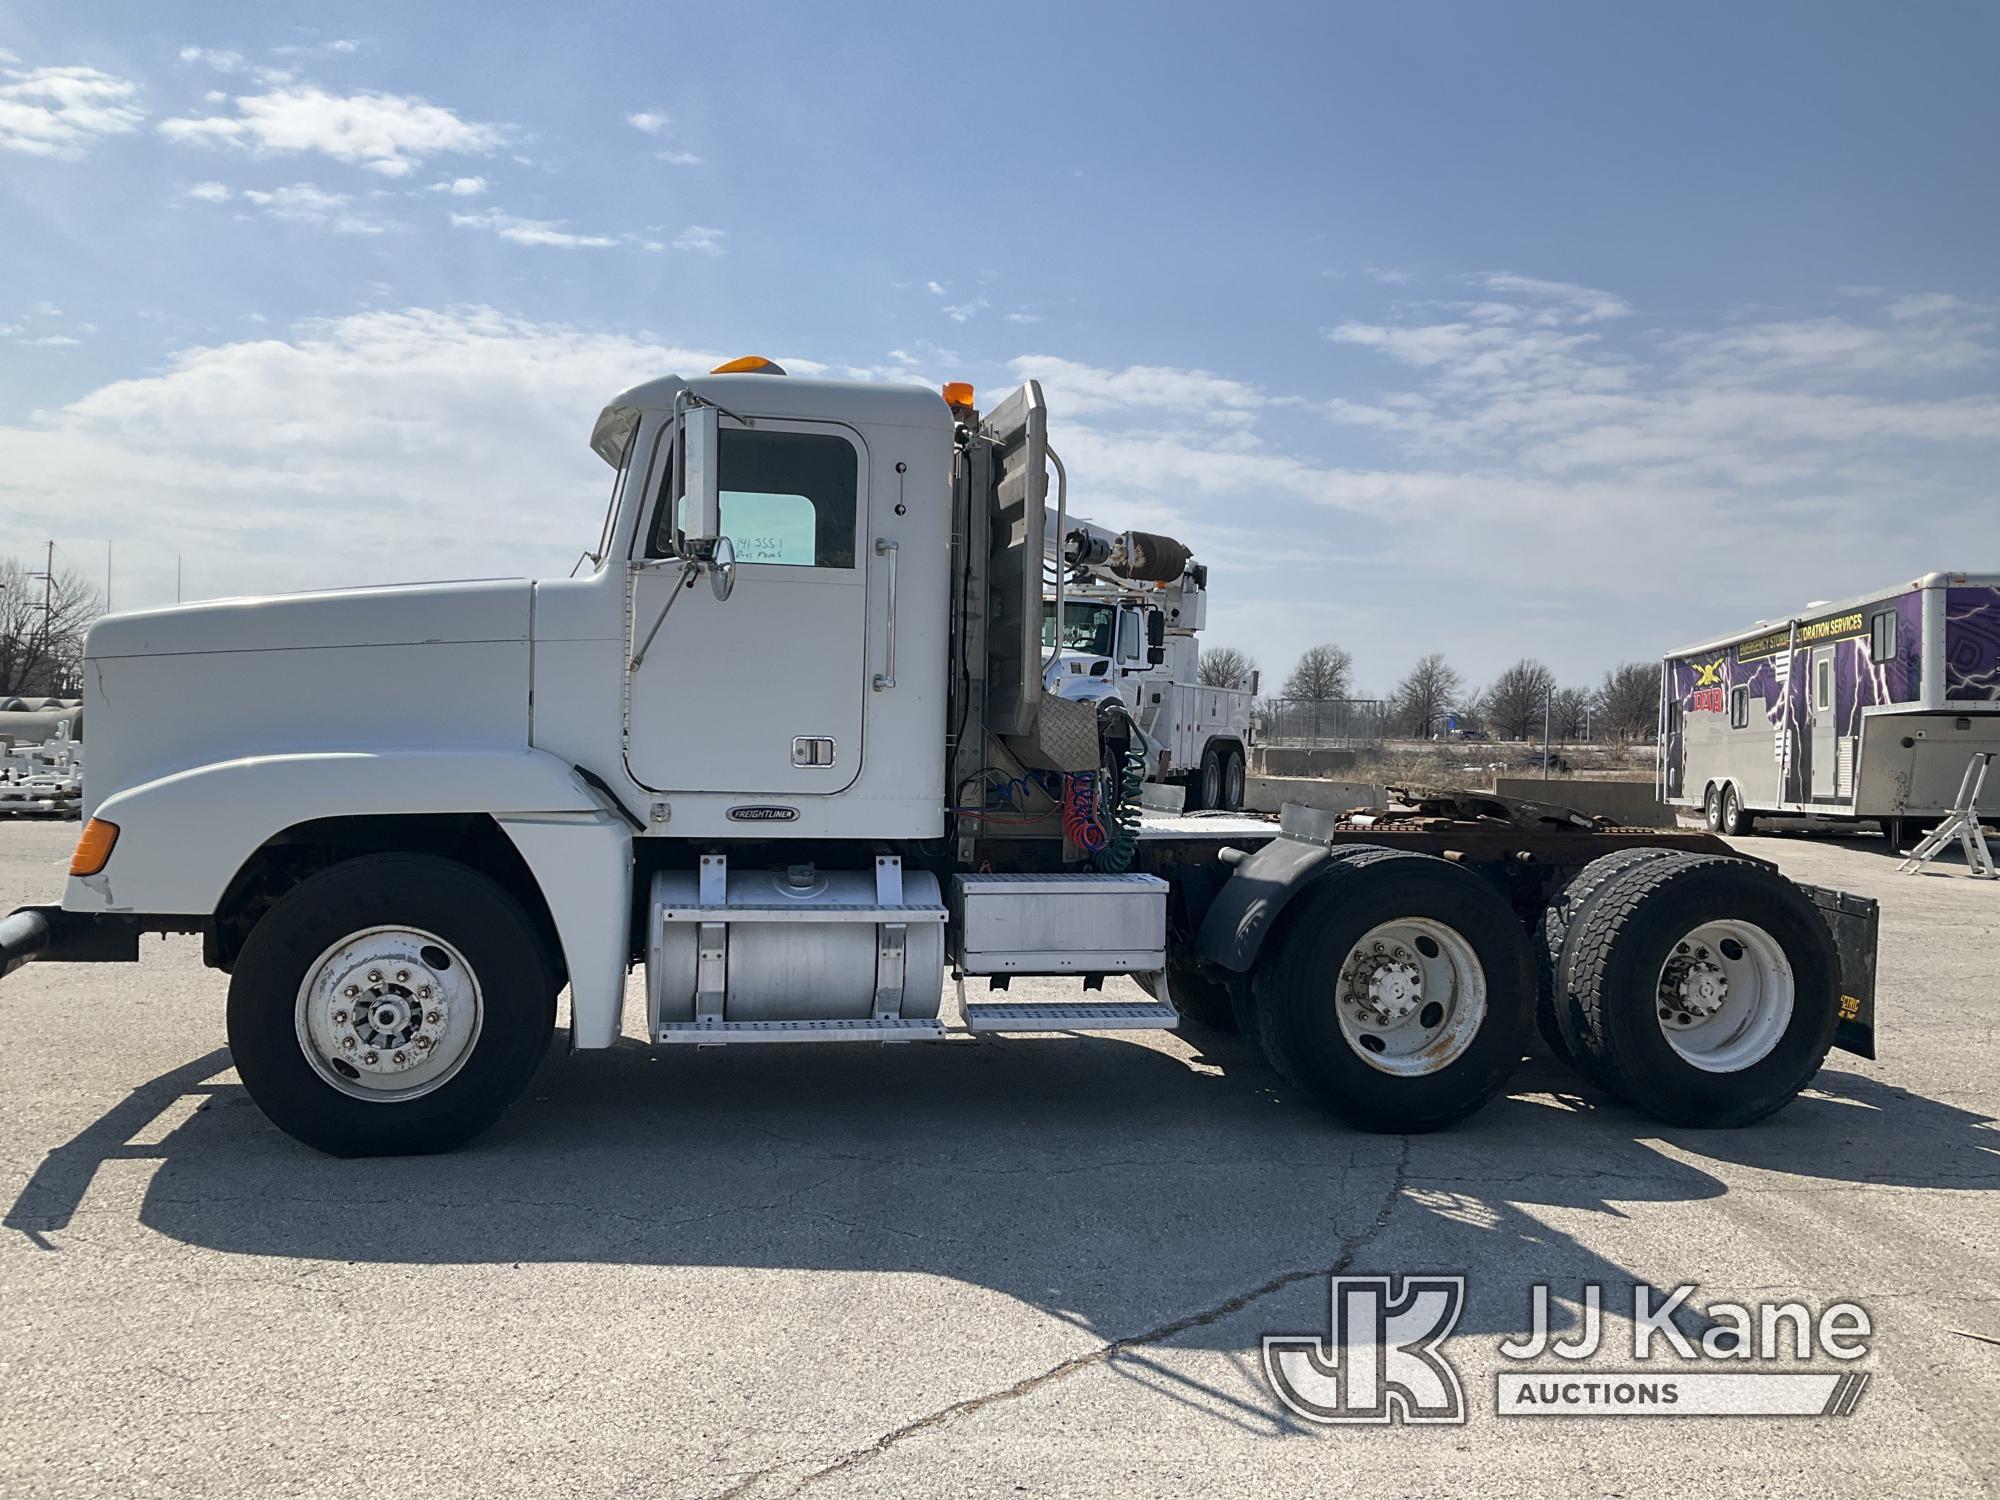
[1869, 708]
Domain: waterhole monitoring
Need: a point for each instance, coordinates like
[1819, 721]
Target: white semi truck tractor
[788, 750]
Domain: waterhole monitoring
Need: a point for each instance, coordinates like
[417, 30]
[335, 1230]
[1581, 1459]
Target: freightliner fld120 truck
[788, 747]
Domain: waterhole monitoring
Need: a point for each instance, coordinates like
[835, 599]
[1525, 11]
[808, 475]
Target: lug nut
[423, 1044]
[347, 1042]
[433, 1016]
[374, 976]
[351, 991]
[399, 1058]
[402, 976]
[371, 1057]
[340, 1018]
[423, 992]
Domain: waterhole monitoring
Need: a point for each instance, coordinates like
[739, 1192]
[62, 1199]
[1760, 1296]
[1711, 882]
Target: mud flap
[1853, 921]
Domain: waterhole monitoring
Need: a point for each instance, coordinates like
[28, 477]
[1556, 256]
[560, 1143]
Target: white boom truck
[1132, 604]
[788, 747]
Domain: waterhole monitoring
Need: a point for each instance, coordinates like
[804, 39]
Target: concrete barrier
[1270, 793]
[1276, 760]
[1629, 803]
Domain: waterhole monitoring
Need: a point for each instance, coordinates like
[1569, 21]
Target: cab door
[762, 694]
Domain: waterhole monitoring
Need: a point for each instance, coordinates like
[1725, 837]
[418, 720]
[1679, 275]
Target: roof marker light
[749, 364]
[957, 393]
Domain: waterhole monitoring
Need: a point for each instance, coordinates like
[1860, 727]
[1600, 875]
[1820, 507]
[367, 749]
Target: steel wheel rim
[389, 1014]
[1410, 996]
[1724, 996]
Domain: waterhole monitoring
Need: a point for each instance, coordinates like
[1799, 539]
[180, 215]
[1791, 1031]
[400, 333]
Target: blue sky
[1492, 329]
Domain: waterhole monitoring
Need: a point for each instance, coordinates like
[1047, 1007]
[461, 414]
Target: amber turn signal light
[93, 848]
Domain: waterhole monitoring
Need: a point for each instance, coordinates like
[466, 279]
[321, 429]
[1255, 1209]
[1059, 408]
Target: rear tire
[1232, 779]
[1706, 989]
[1205, 791]
[1554, 1017]
[1711, 809]
[392, 1005]
[1398, 991]
[1202, 1001]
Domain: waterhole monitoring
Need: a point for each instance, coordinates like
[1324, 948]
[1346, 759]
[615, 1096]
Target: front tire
[1711, 809]
[1398, 992]
[392, 1005]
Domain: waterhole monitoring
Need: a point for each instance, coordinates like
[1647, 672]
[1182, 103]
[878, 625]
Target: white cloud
[210, 192]
[304, 203]
[1077, 389]
[218, 59]
[679, 158]
[1024, 317]
[383, 445]
[1388, 276]
[964, 311]
[1587, 304]
[1924, 305]
[462, 187]
[542, 232]
[651, 121]
[935, 288]
[63, 112]
[387, 133]
[700, 237]
[53, 340]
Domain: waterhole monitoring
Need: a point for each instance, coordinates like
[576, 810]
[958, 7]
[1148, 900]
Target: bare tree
[1424, 697]
[1323, 673]
[1516, 699]
[1570, 710]
[42, 625]
[1225, 667]
[1628, 704]
[1469, 708]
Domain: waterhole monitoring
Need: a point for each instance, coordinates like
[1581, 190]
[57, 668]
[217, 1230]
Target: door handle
[886, 679]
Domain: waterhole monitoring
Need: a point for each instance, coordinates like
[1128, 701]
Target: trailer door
[1824, 728]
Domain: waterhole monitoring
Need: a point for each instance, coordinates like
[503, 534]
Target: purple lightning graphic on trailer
[1972, 644]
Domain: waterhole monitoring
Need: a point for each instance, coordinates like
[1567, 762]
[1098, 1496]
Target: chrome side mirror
[700, 442]
[722, 569]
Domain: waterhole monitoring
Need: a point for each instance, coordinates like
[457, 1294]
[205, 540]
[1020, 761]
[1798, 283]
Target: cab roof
[857, 402]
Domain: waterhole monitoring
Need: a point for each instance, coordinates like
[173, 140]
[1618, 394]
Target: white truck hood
[384, 615]
[422, 666]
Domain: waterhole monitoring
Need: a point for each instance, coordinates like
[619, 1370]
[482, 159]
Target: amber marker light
[93, 847]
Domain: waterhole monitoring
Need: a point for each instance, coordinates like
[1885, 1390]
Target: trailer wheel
[1555, 1014]
[1707, 989]
[1398, 993]
[1735, 821]
[391, 1005]
[1711, 808]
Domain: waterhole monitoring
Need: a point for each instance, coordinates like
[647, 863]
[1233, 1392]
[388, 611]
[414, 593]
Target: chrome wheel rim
[1411, 996]
[1725, 996]
[389, 1014]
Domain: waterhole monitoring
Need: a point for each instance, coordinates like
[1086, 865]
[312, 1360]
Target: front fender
[182, 838]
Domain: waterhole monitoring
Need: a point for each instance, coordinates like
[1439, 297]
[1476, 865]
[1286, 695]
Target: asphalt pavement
[1034, 1265]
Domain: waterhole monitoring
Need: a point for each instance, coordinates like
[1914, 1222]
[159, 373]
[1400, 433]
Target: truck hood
[387, 615]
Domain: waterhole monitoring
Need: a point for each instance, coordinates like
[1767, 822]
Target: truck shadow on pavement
[1141, 1194]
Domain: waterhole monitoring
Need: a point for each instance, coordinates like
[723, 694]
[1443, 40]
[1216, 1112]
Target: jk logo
[1382, 1362]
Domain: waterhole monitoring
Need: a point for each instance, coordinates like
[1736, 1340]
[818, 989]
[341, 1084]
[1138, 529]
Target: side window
[1739, 706]
[1823, 685]
[789, 498]
[1882, 636]
[1128, 635]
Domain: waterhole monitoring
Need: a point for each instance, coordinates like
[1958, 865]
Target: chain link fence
[1321, 723]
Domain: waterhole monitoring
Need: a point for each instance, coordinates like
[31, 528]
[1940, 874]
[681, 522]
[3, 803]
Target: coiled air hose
[1115, 858]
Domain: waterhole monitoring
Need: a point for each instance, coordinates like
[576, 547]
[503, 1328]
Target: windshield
[1086, 627]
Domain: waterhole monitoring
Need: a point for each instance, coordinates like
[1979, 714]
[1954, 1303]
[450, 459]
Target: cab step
[861, 1029]
[1116, 1015]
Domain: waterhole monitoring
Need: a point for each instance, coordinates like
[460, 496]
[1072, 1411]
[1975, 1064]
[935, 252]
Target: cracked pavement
[1033, 1265]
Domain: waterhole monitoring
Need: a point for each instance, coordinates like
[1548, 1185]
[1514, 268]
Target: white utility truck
[1132, 603]
[788, 746]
